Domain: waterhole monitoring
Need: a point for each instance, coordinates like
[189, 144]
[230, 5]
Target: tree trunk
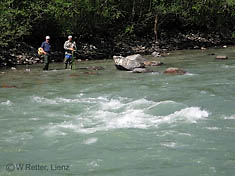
[150, 5]
[141, 8]
[156, 28]
[133, 10]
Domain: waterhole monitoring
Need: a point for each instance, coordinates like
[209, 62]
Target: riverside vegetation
[103, 28]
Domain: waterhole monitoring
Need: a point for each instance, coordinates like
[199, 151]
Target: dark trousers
[46, 61]
[67, 61]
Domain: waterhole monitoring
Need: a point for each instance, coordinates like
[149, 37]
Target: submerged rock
[153, 63]
[141, 70]
[96, 68]
[221, 57]
[156, 54]
[73, 75]
[90, 73]
[7, 86]
[129, 63]
[174, 71]
[92, 68]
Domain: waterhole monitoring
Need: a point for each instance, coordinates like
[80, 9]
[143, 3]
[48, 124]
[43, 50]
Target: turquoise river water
[116, 123]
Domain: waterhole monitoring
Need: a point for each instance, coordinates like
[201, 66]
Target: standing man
[70, 47]
[46, 51]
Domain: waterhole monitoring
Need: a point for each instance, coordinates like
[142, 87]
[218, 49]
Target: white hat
[47, 37]
[70, 36]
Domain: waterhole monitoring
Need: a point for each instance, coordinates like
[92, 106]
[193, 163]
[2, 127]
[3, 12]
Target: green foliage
[233, 35]
[13, 23]
[20, 19]
[230, 2]
[129, 29]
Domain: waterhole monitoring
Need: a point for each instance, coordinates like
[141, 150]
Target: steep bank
[24, 54]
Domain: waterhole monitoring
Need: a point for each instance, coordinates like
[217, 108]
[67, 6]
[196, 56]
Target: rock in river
[156, 54]
[95, 68]
[221, 57]
[129, 63]
[7, 86]
[153, 63]
[141, 70]
[174, 71]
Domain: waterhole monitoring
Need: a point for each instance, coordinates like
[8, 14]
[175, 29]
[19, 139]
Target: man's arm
[42, 46]
[66, 46]
[74, 46]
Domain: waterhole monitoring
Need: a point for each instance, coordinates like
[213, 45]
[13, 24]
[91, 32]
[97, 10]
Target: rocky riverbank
[24, 54]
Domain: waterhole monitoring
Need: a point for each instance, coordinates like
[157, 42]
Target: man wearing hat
[70, 47]
[46, 52]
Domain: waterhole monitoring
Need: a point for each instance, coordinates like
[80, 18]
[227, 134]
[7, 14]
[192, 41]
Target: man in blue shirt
[46, 51]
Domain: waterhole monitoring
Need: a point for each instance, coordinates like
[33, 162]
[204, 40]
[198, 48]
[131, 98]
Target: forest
[111, 21]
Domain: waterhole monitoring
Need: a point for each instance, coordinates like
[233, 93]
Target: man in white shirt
[70, 47]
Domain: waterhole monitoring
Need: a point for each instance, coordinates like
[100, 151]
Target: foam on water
[54, 131]
[7, 103]
[112, 104]
[127, 114]
[184, 134]
[217, 84]
[43, 100]
[66, 100]
[190, 74]
[230, 118]
[90, 141]
[19, 137]
[169, 144]
[60, 100]
[34, 119]
[94, 164]
[160, 103]
[129, 119]
[228, 66]
[191, 114]
[213, 128]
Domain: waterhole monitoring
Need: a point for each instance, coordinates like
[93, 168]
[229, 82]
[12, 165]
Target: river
[116, 123]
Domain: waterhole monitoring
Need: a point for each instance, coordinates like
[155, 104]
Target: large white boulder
[129, 62]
